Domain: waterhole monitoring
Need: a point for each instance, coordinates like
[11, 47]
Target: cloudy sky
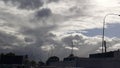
[42, 28]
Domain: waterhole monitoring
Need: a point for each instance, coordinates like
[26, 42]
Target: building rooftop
[111, 54]
[71, 57]
[11, 59]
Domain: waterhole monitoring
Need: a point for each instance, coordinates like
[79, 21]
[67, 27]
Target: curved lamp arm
[104, 21]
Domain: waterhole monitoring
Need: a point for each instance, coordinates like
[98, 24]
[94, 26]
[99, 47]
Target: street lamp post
[103, 40]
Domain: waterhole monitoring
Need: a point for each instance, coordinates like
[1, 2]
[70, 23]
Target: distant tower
[52, 50]
[105, 46]
[72, 48]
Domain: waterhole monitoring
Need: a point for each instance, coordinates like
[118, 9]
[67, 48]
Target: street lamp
[104, 21]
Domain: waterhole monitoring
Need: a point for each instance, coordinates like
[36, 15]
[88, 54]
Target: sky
[43, 28]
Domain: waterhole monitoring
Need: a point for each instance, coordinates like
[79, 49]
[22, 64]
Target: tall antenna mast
[105, 46]
[72, 48]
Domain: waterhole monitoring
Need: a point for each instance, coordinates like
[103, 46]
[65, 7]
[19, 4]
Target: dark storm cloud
[7, 39]
[42, 37]
[28, 39]
[25, 4]
[34, 38]
[41, 34]
[43, 13]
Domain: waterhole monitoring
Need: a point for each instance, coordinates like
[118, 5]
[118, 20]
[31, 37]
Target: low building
[99, 60]
[12, 61]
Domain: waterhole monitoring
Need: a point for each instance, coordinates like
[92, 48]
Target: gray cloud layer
[42, 33]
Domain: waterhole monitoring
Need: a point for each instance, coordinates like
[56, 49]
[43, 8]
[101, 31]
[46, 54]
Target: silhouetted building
[71, 57]
[52, 59]
[99, 60]
[12, 61]
[111, 54]
[40, 63]
[67, 62]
